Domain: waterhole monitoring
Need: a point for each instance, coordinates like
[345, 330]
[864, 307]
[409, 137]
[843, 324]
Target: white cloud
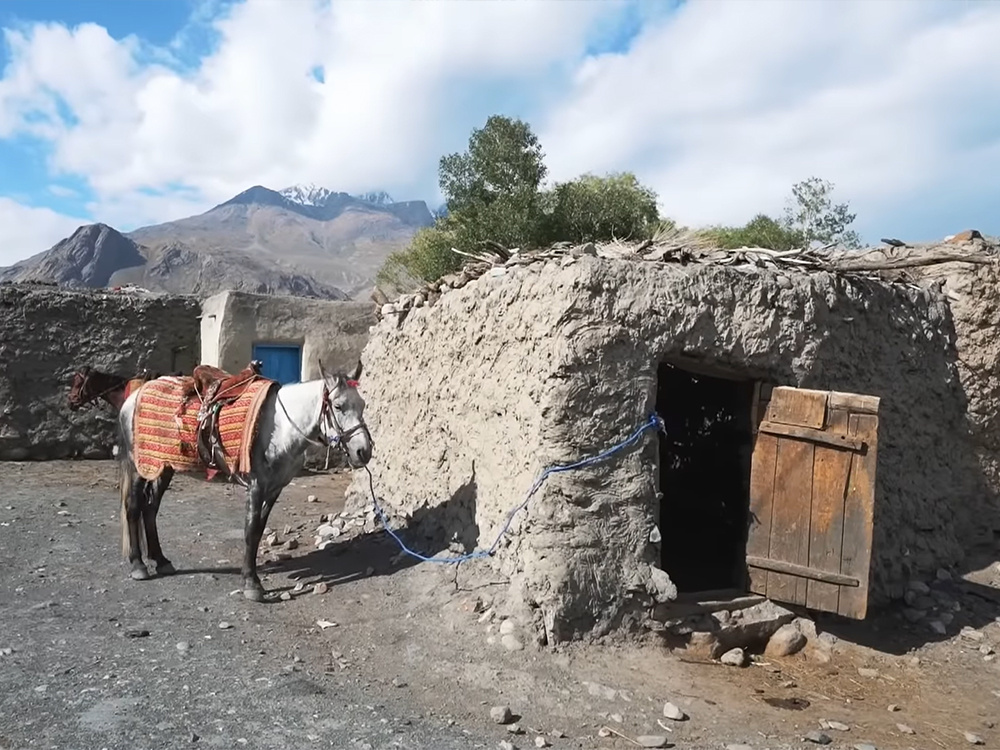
[25, 231]
[253, 113]
[726, 105]
[720, 107]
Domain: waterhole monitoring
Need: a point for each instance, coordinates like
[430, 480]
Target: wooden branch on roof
[891, 264]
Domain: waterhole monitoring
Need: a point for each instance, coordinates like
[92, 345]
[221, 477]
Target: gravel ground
[90, 659]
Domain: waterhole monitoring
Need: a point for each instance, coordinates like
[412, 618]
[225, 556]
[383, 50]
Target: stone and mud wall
[46, 333]
[533, 365]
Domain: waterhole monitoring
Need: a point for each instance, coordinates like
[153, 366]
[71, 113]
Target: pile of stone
[346, 524]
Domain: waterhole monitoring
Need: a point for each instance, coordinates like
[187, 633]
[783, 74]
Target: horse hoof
[166, 569]
[139, 573]
[254, 595]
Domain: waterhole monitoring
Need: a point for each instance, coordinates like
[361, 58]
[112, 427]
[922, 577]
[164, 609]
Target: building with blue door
[289, 335]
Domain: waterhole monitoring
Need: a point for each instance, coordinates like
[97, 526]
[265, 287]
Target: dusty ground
[90, 659]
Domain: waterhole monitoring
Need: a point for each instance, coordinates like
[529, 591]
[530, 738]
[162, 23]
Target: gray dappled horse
[328, 411]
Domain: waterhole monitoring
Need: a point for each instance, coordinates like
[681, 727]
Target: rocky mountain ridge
[304, 240]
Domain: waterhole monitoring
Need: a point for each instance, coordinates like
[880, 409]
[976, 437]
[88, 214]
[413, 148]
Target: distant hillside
[98, 256]
[303, 240]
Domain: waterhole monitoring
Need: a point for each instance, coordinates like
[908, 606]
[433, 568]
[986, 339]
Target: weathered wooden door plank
[859, 513]
[801, 571]
[822, 437]
[790, 518]
[831, 471]
[761, 506]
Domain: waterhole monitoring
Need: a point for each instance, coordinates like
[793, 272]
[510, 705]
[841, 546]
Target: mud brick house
[818, 448]
[289, 335]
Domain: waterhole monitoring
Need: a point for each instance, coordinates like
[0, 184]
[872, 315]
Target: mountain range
[304, 240]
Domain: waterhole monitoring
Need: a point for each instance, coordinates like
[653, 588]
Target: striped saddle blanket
[165, 427]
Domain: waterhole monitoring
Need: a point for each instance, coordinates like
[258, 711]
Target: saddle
[216, 388]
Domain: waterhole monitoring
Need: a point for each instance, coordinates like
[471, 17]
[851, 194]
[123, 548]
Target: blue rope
[654, 422]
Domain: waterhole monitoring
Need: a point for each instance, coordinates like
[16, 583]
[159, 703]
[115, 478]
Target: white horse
[328, 411]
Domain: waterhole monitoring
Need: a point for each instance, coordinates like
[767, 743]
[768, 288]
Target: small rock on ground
[505, 745]
[541, 742]
[905, 729]
[818, 738]
[787, 640]
[671, 711]
[734, 658]
[974, 739]
[838, 726]
[652, 740]
[501, 714]
[865, 746]
[512, 643]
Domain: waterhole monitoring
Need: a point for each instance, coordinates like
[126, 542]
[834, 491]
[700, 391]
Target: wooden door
[812, 497]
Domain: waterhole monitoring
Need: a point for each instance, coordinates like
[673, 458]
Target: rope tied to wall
[654, 422]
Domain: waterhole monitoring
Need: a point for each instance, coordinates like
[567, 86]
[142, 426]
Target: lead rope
[654, 422]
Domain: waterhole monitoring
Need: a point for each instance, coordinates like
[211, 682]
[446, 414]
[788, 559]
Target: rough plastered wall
[335, 332]
[543, 364]
[972, 291]
[46, 333]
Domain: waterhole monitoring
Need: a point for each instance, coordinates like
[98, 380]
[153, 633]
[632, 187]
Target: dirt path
[407, 663]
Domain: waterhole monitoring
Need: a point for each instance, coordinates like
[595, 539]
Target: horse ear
[356, 375]
[323, 373]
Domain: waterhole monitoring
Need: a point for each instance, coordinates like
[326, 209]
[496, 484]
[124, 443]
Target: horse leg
[253, 529]
[136, 533]
[155, 493]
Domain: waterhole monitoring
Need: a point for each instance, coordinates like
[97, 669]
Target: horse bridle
[80, 403]
[326, 413]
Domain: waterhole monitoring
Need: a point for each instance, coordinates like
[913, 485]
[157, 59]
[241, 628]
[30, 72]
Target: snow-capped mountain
[376, 198]
[307, 194]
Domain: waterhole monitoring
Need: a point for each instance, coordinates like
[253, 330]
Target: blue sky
[140, 112]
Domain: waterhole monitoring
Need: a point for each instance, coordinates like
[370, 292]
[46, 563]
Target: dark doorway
[704, 477]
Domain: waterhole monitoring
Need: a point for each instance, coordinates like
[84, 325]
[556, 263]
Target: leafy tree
[428, 257]
[492, 189]
[590, 209]
[760, 231]
[810, 216]
[812, 212]
[494, 194]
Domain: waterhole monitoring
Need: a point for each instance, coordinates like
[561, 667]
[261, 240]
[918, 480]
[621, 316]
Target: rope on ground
[654, 422]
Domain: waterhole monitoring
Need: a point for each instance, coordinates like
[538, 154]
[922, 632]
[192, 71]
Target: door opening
[704, 477]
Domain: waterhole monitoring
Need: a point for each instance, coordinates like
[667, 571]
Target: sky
[135, 113]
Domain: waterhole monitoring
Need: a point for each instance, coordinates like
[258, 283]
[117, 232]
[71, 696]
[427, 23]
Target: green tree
[811, 211]
[591, 209]
[494, 194]
[760, 231]
[492, 190]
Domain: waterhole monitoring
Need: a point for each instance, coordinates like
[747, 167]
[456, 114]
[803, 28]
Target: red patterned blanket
[165, 427]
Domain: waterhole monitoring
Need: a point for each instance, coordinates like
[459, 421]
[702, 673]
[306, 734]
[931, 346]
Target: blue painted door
[279, 362]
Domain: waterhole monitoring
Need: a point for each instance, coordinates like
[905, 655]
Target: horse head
[89, 385]
[78, 388]
[345, 422]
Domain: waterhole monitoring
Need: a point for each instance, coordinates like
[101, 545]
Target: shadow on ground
[430, 532]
